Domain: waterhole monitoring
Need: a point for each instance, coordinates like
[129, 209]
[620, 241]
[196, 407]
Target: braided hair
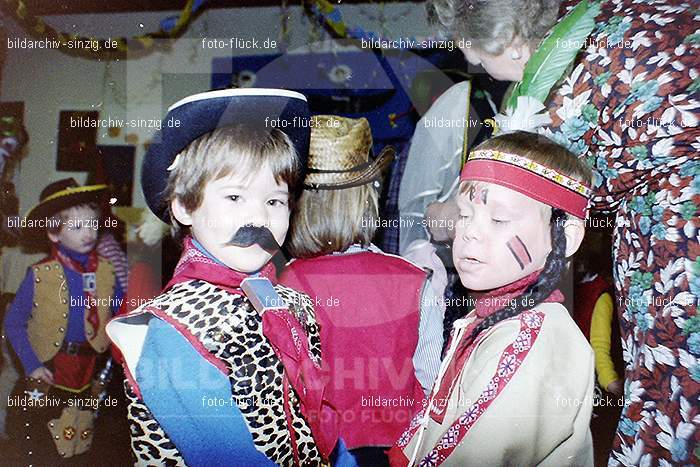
[536, 293]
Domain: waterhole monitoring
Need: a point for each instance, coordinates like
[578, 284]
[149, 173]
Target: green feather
[549, 62]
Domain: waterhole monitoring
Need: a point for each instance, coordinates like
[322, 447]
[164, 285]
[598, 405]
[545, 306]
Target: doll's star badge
[34, 394]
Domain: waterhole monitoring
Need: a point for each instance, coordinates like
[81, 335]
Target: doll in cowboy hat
[516, 383]
[381, 326]
[224, 367]
[56, 324]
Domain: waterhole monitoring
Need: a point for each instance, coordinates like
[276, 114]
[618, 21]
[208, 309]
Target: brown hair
[219, 153]
[540, 149]
[58, 220]
[327, 221]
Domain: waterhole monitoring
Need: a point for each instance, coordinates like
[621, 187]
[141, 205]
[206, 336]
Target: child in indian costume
[516, 384]
[381, 324]
[224, 367]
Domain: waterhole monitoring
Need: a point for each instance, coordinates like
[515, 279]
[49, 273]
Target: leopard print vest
[228, 326]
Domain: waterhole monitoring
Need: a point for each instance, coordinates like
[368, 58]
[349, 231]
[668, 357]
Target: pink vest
[368, 307]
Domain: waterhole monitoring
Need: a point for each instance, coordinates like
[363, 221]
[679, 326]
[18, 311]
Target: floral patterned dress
[631, 107]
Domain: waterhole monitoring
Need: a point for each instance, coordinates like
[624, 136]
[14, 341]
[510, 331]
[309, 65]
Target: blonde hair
[327, 221]
[537, 148]
[228, 150]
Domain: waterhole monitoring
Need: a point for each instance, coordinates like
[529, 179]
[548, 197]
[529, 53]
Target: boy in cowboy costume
[56, 325]
[224, 367]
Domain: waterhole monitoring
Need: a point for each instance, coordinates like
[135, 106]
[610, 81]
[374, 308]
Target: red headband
[529, 178]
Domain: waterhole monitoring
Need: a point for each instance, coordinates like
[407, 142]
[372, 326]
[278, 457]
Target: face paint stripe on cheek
[519, 251]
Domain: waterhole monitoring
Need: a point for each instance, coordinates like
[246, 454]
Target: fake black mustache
[249, 235]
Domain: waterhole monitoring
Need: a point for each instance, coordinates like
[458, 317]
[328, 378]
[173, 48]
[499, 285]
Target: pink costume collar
[194, 264]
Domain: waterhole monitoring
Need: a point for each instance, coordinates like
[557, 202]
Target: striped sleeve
[426, 359]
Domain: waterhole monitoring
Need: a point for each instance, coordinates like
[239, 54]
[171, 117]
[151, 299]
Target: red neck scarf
[89, 281]
[487, 303]
[283, 330]
[195, 265]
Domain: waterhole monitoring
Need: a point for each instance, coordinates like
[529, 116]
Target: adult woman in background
[629, 105]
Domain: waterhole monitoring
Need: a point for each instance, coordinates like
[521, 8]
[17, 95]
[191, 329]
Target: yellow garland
[326, 7]
[137, 46]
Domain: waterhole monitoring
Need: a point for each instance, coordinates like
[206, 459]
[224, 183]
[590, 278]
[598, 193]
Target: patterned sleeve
[628, 105]
[109, 248]
[149, 443]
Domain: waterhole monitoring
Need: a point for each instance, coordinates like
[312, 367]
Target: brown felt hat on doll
[56, 197]
[339, 154]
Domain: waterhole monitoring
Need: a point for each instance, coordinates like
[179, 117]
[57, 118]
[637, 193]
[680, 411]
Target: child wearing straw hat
[381, 326]
[516, 384]
[56, 325]
[224, 367]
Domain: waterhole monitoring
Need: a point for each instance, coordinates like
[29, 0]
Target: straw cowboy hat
[339, 154]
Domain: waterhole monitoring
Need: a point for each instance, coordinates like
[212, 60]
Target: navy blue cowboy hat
[196, 115]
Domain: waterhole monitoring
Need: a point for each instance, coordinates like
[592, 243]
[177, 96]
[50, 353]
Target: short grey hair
[492, 25]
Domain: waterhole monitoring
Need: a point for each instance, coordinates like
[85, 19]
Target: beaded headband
[529, 178]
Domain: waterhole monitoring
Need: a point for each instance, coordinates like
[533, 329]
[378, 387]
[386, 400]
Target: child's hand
[441, 219]
[615, 387]
[43, 374]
